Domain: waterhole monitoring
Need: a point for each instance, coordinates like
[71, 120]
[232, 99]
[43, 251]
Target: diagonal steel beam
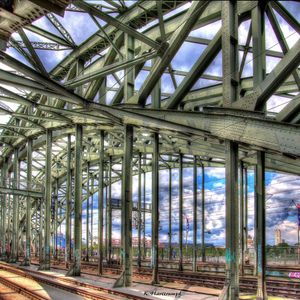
[286, 15]
[290, 110]
[120, 25]
[281, 39]
[175, 43]
[94, 86]
[61, 29]
[266, 88]
[109, 69]
[195, 73]
[22, 51]
[38, 63]
[14, 78]
[268, 134]
[53, 37]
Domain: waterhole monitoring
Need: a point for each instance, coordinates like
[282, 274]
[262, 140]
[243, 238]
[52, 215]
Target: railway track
[248, 284]
[83, 289]
[20, 289]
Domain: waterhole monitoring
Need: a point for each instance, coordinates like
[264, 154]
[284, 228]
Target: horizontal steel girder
[225, 124]
[19, 192]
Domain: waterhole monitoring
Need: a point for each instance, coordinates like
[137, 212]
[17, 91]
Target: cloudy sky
[282, 195]
[283, 191]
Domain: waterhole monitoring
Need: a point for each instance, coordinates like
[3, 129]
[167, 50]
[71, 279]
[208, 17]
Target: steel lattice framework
[224, 123]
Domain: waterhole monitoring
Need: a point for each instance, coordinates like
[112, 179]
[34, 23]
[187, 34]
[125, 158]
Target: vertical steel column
[2, 231]
[126, 250]
[144, 214]
[28, 204]
[68, 202]
[126, 247]
[109, 214]
[139, 209]
[246, 214]
[155, 207]
[258, 38]
[230, 95]
[259, 65]
[41, 231]
[100, 203]
[232, 222]
[242, 219]
[87, 208]
[4, 209]
[156, 93]
[48, 187]
[78, 199]
[106, 211]
[9, 220]
[260, 215]
[127, 205]
[203, 255]
[170, 213]
[195, 215]
[92, 217]
[1, 222]
[15, 230]
[55, 219]
[180, 188]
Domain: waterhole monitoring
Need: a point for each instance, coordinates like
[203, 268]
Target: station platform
[141, 289]
[30, 285]
[145, 288]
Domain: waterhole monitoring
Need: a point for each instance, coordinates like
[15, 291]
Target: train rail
[83, 289]
[248, 284]
[21, 289]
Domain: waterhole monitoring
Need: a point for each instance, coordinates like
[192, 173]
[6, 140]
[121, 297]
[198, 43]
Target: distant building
[278, 239]
[250, 242]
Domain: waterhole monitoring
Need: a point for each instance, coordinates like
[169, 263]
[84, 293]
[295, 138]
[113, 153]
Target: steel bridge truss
[69, 136]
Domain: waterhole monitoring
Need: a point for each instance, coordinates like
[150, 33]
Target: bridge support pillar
[87, 208]
[170, 211]
[68, 202]
[45, 265]
[75, 269]
[28, 205]
[260, 232]
[126, 242]
[242, 220]
[139, 209]
[100, 203]
[195, 206]
[231, 288]
[109, 213]
[144, 214]
[4, 212]
[15, 229]
[203, 252]
[180, 188]
[230, 95]
[155, 207]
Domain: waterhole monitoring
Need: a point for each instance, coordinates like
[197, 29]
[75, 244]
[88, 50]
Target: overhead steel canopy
[156, 65]
[14, 15]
